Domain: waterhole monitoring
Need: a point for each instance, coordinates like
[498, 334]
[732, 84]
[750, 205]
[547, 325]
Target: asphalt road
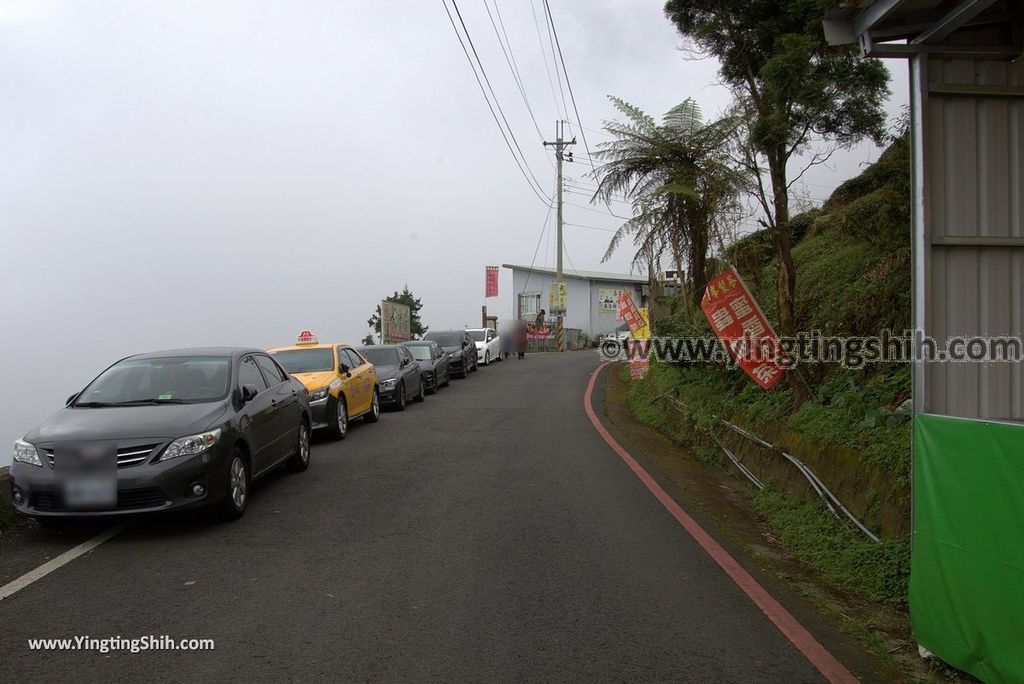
[488, 534]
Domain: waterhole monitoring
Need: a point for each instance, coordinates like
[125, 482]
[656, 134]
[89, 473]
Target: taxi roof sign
[306, 337]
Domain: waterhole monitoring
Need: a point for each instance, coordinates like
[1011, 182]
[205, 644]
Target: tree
[795, 91]
[416, 327]
[681, 182]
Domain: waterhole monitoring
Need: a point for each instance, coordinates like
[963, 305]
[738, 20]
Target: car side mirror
[343, 368]
[71, 399]
[249, 392]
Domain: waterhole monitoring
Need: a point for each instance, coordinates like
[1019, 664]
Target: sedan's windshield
[306, 360]
[477, 335]
[420, 352]
[381, 356]
[451, 338]
[170, 380]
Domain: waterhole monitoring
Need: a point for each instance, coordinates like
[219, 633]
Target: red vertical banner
[491, 287]
[742, 327]
[637, 322]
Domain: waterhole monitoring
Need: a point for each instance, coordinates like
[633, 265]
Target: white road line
[63, 559]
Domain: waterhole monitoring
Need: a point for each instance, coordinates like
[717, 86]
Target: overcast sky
[191, 173]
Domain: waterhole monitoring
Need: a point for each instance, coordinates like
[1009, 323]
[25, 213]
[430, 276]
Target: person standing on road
[539, 321]
[522, 339]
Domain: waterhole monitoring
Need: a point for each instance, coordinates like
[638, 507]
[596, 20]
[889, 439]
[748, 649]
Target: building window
[529, 304]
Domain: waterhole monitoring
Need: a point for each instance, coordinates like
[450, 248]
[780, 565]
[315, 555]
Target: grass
[843, 557]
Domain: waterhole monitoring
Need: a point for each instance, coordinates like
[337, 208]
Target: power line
[535, 185]
[580, 225]
[536, 249]
[512, 66]
[568, 83]
[544, 55]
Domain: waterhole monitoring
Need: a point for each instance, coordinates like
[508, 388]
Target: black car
[169, 430]
[398, 375]
[433, 362]
[460, 348]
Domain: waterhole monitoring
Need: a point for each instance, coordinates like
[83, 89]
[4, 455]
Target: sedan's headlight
[26, 453]
[191, 445]
[317, 395]
[388, 384]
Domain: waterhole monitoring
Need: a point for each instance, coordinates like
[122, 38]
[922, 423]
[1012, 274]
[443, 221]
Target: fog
[195, 173]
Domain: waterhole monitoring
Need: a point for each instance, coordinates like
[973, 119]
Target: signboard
[395, 322]
[607, 301]
[627, 311]
[557, 299]
[742, 327]
[639, 329]
[306, 337]
[539, 332]
[491, 282]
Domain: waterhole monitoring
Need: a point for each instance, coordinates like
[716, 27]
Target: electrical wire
[510, 59]
[568, 83]
[536, 249]
[527, 172]
[544, 55]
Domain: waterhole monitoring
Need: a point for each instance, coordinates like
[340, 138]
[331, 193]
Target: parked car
[398, 374]
[488, 344]
[435, 368]
[342, 385]
[621, 333]
[163, 431]
[460, 349]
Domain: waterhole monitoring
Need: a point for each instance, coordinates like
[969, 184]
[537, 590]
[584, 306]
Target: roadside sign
[491, 282]
[395, 322]
[742, 327]
[557, 297]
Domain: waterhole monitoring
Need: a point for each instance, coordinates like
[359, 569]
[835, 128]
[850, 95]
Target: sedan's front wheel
[374, 414]
[400, 397]
[487, 358]
[339, 428]
[236, 498]
[422, 396]
[300, 459]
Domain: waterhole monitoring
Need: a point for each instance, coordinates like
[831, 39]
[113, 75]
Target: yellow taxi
[341, 383]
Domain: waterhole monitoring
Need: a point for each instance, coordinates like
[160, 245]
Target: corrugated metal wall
[972, 248]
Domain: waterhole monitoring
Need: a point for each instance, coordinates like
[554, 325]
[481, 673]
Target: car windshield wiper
[147, 402]
[91, 404]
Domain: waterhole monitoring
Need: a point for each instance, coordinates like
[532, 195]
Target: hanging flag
[491, 289]
[742, 327]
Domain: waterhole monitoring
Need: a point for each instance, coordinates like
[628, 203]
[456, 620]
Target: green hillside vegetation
[853, 265]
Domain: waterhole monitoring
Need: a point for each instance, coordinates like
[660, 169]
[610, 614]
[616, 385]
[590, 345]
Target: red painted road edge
[825, 662]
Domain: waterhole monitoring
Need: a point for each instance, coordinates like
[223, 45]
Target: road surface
[489, 534]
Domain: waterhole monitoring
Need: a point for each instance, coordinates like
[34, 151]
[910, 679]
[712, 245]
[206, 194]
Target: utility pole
[560, 144]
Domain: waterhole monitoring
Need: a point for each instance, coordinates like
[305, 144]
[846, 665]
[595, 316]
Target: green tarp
[967, 564]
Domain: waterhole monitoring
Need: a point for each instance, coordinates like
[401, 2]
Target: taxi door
[354, 384]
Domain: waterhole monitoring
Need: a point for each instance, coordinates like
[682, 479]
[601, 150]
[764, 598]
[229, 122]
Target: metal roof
[903, 28]
[582, 275]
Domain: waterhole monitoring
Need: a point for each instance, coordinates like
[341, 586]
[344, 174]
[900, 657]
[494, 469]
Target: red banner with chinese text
[637, 321]
[742, 327]
[491, 287]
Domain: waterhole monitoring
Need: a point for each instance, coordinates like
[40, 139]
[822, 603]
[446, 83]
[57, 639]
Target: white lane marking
[63, 559]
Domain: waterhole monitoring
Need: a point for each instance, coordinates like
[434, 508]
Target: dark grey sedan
[398, 376]
[169, 430]
[433, 362]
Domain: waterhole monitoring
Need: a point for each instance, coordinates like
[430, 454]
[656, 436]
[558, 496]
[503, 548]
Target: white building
[590, 297]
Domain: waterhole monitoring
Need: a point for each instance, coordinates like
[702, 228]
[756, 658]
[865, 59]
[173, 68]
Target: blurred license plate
[91, 492]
